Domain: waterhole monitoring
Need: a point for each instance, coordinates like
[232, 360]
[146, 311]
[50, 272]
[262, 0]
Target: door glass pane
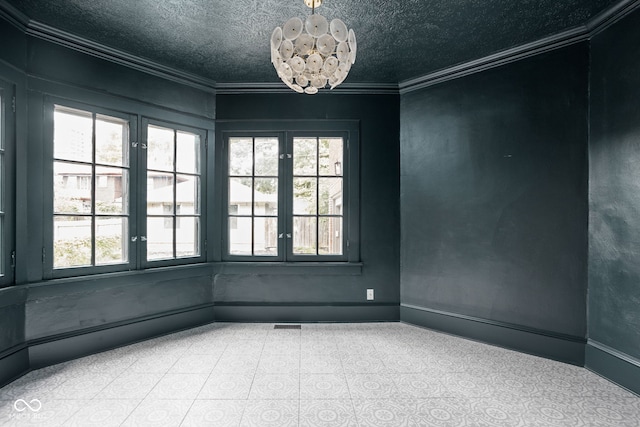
[330, 235]
[71, 241]
[72, 135]
[330, 196]
[188, 194]
[305, 156]
[159, 193]
[240, 156]
[330, 152]
[266, 196]
[111, 242]
[112, 136]
[265, 236]
[304, 235]
[304, 195]
[240, 237]
[266, 153]
[160, 148]
[71, 188]
[111, 190]
[159, 238]
[187, 236]
[188, 153]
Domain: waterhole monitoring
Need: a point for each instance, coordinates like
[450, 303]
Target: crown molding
[579, 34]
[608, 17]
[279, 87]
[45, 32]
[597, 24]
[13, 16]
[547, 44]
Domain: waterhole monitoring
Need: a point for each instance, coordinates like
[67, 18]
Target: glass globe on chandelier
[310, 55]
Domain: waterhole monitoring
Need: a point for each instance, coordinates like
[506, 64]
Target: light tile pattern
[327, 375]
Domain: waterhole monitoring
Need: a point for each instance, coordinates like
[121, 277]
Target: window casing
[7, 197]
[117, 204]
[287, 192]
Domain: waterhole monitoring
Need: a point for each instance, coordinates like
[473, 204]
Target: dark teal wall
[379, 200]
[37, 309]
[614, 193]
[494, 194]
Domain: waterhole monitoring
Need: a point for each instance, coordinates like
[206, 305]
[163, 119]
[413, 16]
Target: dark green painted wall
[37, 309]
[379, 199]
[614, 193]
[494, 194]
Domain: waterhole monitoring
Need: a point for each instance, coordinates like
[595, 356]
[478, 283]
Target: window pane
[111, 190]
[265, 236]
[71, 241]
[111, 240]
[304, 156]
[304, 235]
[160, 148]
[187, 236]
[72, 135]
[266, 196]
[330, 196]
[240, 156]
[267, 152]
[330, 151]
[112, 141]
[188, 153]
[240, 196]
[159, 239]
[240, 237]
[330, 235]
[71, 188]
[159, 192]
[188, 194]
[304, 195]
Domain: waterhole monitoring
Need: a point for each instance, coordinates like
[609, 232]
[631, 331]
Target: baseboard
[614, 365]
[247, 312]
[563, 348]
[63, 347]
[13, 364]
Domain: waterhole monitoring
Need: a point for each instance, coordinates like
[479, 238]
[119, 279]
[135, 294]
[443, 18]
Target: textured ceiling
[228, 40]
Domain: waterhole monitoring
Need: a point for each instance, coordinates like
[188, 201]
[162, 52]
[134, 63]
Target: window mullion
[175, 192]
[317, 195]
[93, 189]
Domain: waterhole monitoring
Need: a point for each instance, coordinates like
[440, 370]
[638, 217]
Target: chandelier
[311, 55]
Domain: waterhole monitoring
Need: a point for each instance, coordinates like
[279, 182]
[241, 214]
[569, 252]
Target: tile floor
[370, 374]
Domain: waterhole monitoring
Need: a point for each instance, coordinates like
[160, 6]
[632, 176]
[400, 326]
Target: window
[173, 198]
[7, 237]
[118, 204]
[90, 188]
[287, 194]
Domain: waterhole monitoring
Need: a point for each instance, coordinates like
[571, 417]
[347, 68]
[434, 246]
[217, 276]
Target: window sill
[290, 268]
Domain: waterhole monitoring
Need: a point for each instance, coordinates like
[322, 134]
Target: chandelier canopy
[311, 55]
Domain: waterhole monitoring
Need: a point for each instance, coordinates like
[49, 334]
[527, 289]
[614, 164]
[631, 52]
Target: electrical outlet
[369, 294]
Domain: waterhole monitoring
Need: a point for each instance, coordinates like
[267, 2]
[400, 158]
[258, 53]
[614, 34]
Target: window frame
[287, 130]
[142, 192]
[7, 183]
[48, 250]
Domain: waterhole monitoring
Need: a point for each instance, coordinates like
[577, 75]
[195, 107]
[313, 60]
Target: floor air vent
[286, 327]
